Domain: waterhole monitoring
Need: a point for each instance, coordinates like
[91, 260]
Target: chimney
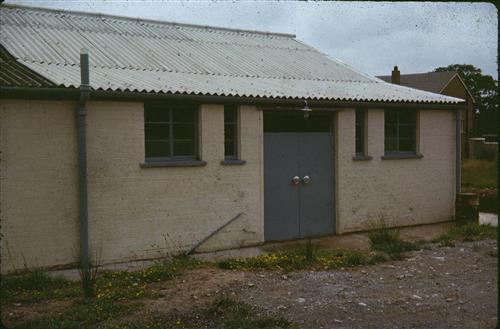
[396, 76]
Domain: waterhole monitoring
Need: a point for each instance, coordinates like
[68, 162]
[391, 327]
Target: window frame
[398, 153]
[172, 158]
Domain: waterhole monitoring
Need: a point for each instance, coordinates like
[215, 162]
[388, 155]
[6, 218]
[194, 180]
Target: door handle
[306, 179]
[295, 180]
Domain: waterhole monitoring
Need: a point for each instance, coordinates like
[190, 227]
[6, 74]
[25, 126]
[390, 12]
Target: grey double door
[298, 185]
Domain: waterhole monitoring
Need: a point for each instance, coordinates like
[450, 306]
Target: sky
[372, 37]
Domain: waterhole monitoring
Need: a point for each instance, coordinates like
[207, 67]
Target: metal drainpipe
[81, 113]
[458, 155]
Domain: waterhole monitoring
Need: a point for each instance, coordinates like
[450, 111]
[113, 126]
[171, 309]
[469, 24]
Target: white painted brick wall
[145, 212]
[403, 192]
[137, 213]
[38, 184]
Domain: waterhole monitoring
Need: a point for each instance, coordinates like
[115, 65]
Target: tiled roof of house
[141, 55]
[431, 81]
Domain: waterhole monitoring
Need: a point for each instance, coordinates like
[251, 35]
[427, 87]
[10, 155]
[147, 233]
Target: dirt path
[437, 288]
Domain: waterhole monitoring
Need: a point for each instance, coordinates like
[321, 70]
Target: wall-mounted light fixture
[306, 110]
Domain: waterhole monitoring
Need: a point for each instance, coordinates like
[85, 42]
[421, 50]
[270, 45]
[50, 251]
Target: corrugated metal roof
[148, 56]
[431, 81]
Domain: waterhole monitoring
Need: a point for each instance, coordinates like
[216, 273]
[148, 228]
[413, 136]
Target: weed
[88, 277]
[223, 313]
[108, 285]
[121, 285]
[302, 257]
[36, 280]
[309, 251]
[389, 241]
[34, 286]
[468, 232]
[81, 314]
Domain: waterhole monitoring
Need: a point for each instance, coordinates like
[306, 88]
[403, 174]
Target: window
[400, 132]
[230, 132]
[171, 131]
[360, 132]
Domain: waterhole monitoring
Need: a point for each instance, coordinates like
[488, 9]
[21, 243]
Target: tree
[484, 89]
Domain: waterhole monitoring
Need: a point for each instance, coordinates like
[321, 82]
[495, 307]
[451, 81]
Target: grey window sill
[402, 156]
[178, 163]
[361, 158]
[233, 162]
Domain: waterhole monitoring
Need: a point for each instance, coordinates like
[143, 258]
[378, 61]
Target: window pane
[229, 114]
[360, 131]
[360, 116]
[156, 113]
[184, 131]
[183, 148]
[406, 132]
[390, 145]
[229, 149]
[406, 145]
[407, 117]
[156, 131]
[157, 149]
[359, 147]
[229, 131]
[391, 131]
[391, 117]
[185, 114]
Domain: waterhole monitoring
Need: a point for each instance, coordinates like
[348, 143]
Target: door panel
[281, 207]
[294, 146]
[316, 197]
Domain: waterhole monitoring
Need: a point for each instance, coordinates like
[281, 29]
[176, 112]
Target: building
[445, 83]
[187, 127]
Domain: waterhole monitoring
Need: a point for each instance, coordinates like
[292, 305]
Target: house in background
[445, 83]
[187, 127]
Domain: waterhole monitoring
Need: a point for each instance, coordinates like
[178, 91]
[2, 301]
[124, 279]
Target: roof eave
[73, 93]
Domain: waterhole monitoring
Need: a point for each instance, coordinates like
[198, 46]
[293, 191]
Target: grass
[90, 313]
[85, 313]
[34, 286]
[303, 257]
[468, 232]
[109, 285]
[479, 174]
[388, 241]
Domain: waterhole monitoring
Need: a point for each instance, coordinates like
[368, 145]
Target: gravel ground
[451, 287]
